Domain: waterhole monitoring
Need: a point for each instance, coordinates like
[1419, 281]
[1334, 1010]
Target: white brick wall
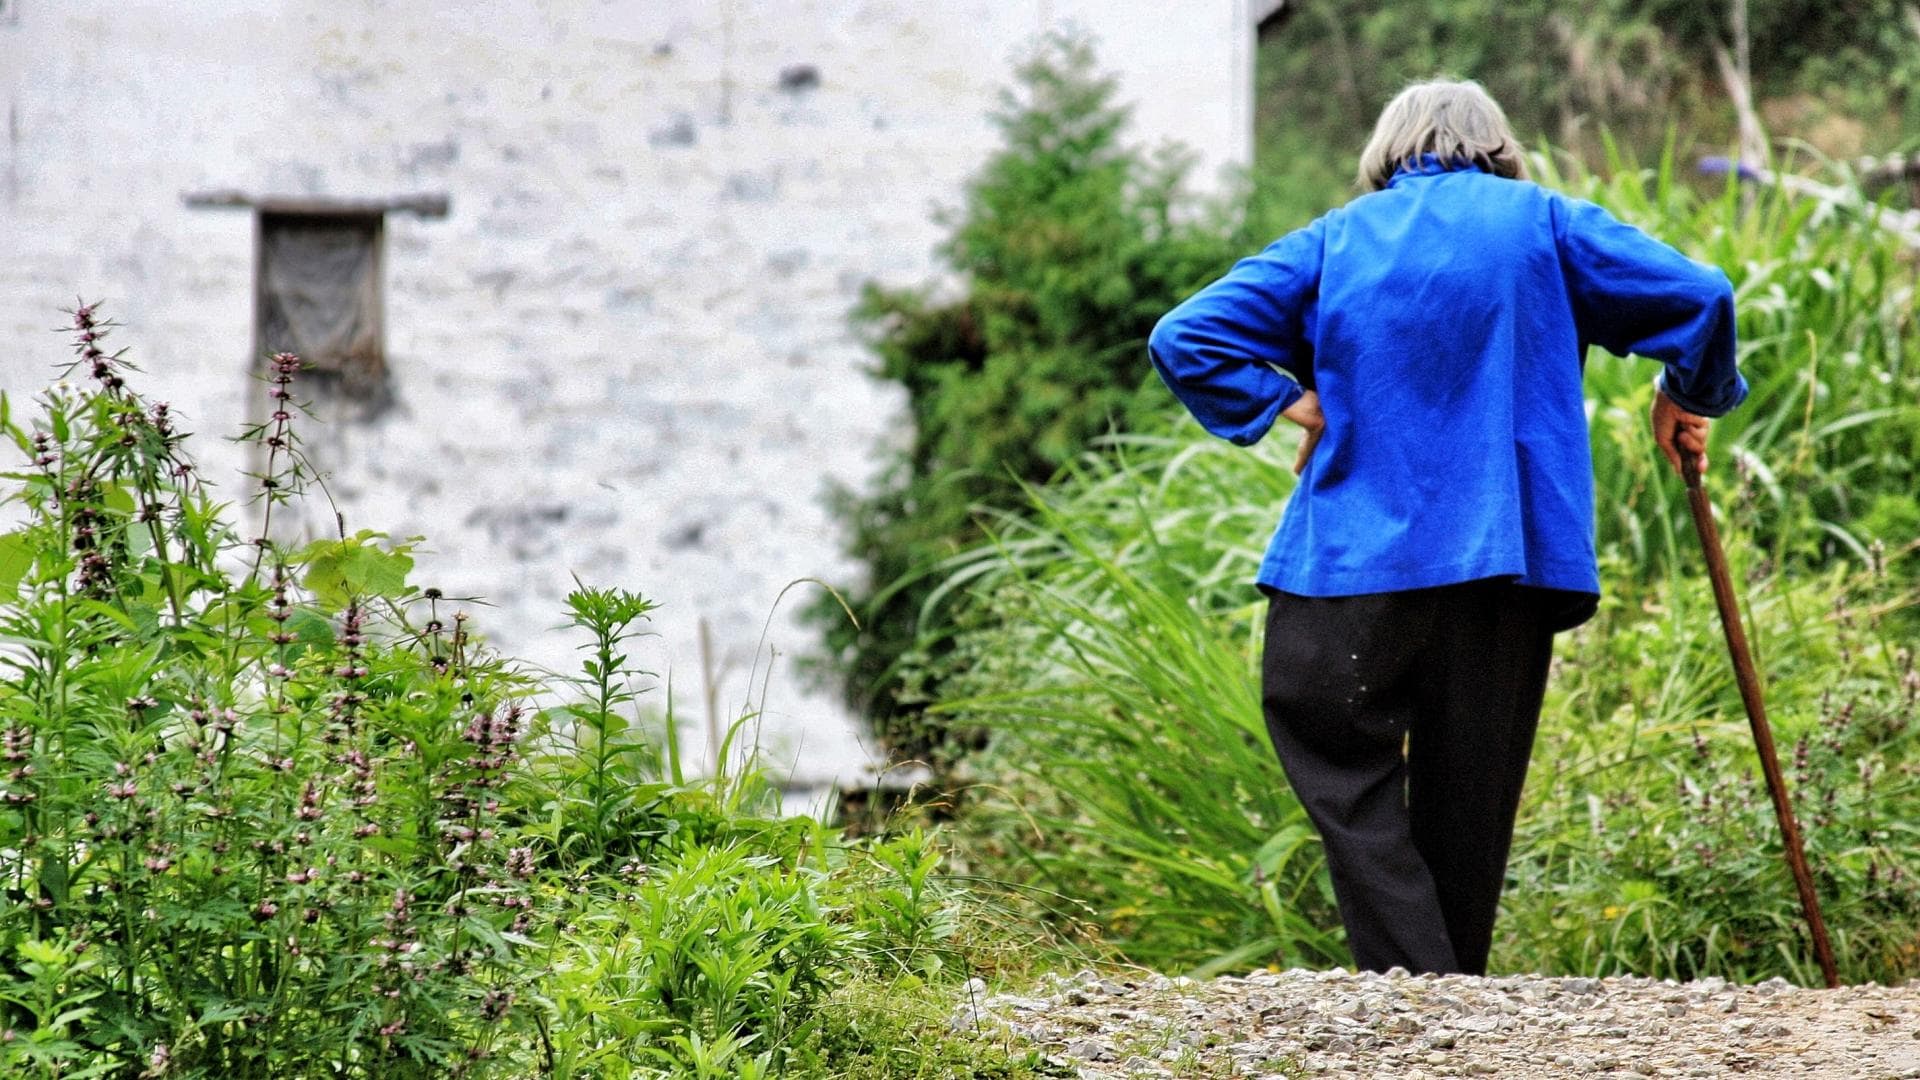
[624, 353]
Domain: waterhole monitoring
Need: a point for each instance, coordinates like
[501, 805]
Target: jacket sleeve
[1214, 350]
[1633, 294]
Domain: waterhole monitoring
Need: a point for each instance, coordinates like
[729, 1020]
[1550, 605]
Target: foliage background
[1071, 242]
[1101, 645]
[1109, 640]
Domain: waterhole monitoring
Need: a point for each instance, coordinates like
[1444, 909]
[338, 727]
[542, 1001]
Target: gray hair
[1457, 121]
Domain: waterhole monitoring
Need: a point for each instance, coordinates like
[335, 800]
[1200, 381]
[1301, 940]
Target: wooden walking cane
[1756, 710]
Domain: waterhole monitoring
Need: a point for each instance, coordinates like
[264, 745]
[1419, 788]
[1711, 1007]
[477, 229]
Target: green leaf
[310, 626]
[53, 878]
[221, 1012]
[338, 570]
[115, 496]
[16, 561]
[71, 1016]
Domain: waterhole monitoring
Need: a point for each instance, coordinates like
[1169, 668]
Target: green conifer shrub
[1069, 245]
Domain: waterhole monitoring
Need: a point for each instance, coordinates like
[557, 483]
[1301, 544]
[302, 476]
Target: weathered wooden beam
[1904, 224]
[1892, 169]
[426, 205]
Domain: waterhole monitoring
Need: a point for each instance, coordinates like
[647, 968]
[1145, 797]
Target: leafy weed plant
[270, 810]
[249, 818]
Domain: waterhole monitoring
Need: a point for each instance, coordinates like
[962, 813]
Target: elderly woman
[1429, 336]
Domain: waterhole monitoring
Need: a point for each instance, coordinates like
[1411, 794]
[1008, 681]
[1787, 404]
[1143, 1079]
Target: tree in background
[1844, 76]
[1069, 245]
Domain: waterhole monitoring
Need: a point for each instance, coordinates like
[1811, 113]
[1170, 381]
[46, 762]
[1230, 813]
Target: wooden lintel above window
[428, 205]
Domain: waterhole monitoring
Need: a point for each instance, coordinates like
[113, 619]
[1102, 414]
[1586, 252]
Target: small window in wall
[317, 294]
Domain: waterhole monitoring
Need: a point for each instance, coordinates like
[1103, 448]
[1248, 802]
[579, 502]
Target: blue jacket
[1444, 321]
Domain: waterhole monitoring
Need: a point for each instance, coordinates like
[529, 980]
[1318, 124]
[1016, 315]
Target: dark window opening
[1273, 122]
[1310, 112]
[318, 295]
[1268, 15]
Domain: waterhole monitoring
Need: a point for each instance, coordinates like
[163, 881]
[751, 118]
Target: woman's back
[1448, 368]
[1443, 321]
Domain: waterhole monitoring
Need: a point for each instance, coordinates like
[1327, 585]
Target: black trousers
[1405, 721]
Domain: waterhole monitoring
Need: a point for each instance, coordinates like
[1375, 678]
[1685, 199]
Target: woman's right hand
[1305, 411]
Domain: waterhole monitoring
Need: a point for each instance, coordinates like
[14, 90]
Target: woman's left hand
[1306, 412]
[1677, 431]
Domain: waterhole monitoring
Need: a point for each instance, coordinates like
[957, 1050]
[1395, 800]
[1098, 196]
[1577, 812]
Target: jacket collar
[1431, 165]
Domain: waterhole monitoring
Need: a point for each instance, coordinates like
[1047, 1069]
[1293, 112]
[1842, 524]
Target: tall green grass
[1110, 641]
[1112, 644]
[1647, 842]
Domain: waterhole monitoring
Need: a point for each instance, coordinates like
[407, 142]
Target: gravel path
[1336, 1023]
